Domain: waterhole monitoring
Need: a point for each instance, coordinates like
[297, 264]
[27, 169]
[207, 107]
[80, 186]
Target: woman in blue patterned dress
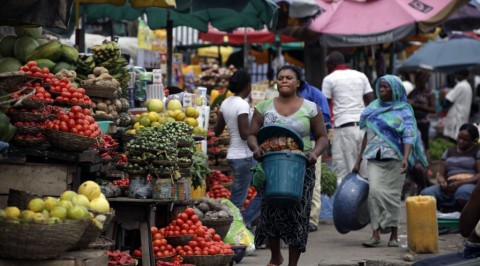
[391, 144]
[288, 223]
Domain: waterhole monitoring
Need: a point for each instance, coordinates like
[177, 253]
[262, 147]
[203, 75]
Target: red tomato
[31, 63]
[194, 218]
[189, 212]
[87, 112]
[76, 109]
[79, 115]
[137, 253]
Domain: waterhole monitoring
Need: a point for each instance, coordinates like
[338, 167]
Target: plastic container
[285, 173]
[422, 227]
[104, 125]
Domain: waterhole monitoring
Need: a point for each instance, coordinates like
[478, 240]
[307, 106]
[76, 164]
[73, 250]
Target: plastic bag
[326, 209]
[140, 188]
[238, 234]
[259, 177]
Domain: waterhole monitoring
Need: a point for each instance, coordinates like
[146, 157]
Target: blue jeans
[242, 178]
[252, 212]
[448, 202]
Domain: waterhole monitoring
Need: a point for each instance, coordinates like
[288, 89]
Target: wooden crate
[39, 179]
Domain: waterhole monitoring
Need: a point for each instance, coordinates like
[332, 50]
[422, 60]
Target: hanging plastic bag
[238, 234]
[259, 177]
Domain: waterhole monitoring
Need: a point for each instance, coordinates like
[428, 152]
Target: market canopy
[446, 55]
[344, 23]
[224, 15]
[52, 13]
[243, 35]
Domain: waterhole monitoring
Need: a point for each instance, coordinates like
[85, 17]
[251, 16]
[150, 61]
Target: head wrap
[394, 121]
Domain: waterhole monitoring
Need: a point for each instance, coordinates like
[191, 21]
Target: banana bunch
[85, 66]
[106, 51]
[109, 56]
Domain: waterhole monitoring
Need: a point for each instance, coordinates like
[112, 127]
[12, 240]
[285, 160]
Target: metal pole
[169, 49]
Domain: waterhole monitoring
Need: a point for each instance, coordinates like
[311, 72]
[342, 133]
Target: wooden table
[141, 211]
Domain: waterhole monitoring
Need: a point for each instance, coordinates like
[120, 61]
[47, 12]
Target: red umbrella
[365, 22]
[241, 35]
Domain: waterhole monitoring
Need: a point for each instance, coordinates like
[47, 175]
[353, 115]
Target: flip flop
[272, 264]
[393, 243]
[371, 243]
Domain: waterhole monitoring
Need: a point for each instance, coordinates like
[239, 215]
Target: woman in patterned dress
[288, 223]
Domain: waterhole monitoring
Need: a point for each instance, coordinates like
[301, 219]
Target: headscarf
[394, 121]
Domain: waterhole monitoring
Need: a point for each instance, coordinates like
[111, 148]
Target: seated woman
[459, 172]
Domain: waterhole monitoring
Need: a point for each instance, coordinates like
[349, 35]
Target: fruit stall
[79, 165]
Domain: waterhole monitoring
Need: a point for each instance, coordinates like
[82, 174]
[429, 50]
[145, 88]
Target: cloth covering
[386, 183]
[394, 121]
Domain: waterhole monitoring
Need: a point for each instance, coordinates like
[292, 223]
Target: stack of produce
[251, 194]
[213, 76]
[29, 113]
[15, 48]
[219, 177]
[188, 237]
[74, 213]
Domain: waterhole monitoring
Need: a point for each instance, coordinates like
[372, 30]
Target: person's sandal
[371, 243]
[312, 227]
[393, 243]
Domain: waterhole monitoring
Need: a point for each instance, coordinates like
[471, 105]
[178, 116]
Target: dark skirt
[288, 223]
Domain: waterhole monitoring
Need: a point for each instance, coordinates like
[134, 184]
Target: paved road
[328, 247]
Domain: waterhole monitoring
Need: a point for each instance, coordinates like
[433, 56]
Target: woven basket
[99, 91]
[92, 231]
[32, 104]
[26, 117]
[10, 81]
[38, 240]
[182, 144]
[102, 243]
[66, 104]
[179, 240]
[29, 130]
[209, 260]
[20, 198]
[185, 153]
[163, 162]
[184, 165]
[19, 142]
[69, 141]
[221, 226]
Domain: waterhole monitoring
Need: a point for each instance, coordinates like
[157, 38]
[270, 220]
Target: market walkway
[328, 247]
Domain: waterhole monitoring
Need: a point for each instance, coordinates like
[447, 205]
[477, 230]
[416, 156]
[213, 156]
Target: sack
[259, 177]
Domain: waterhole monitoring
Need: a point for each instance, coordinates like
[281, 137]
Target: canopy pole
[245, 50]
[169, 49]
[79, 31]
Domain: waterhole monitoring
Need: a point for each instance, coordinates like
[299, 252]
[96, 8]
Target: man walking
[349, 91]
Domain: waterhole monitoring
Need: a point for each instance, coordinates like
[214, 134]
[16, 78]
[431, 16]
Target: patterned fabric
[288, 223]
[394, 121]
[376, 145]
[298, 122]
[421, 97]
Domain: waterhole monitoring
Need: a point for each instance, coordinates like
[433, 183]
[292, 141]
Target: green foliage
[328, 180]
[199, 169]
[438, 147]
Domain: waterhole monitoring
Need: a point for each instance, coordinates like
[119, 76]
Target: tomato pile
[68, 93]
[119, 258]
[218, 191]
[39, 93]
[251, 194]
[77, 121]
[218, 176]
[205, 242]
[161, 248]
[123, 182]
[28, 124]
[106, 143]
[176, 261]
[186, 223]
[38, 136]
[31, 69]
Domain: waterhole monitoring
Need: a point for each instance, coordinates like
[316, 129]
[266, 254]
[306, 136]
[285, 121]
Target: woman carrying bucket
[391, 143]
[288, 222]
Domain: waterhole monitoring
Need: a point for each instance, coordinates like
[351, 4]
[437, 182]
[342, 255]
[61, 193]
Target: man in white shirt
[458, 102]
[349, 91]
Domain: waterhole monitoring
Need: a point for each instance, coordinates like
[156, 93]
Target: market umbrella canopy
[52, 13]
[446, 55]
[466, 18]
[240, 35]
[366, 22]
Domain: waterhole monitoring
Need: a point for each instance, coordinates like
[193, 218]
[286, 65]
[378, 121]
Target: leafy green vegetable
[438, 147]
[328, 180]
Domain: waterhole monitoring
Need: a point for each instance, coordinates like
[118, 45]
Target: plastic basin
[104, 125]
[350, 207]
[285, 172]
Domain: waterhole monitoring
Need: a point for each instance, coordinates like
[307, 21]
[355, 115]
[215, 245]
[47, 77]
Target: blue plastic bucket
[285, 173]
[104, 125]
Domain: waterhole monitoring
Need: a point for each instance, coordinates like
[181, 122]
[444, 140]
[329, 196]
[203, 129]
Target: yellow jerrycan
[422, 226]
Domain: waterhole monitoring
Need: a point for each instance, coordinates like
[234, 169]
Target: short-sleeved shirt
[421, 97]
[459, 112]
[460, 163]
[298, 122]
[231, 108]
[346, 88]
